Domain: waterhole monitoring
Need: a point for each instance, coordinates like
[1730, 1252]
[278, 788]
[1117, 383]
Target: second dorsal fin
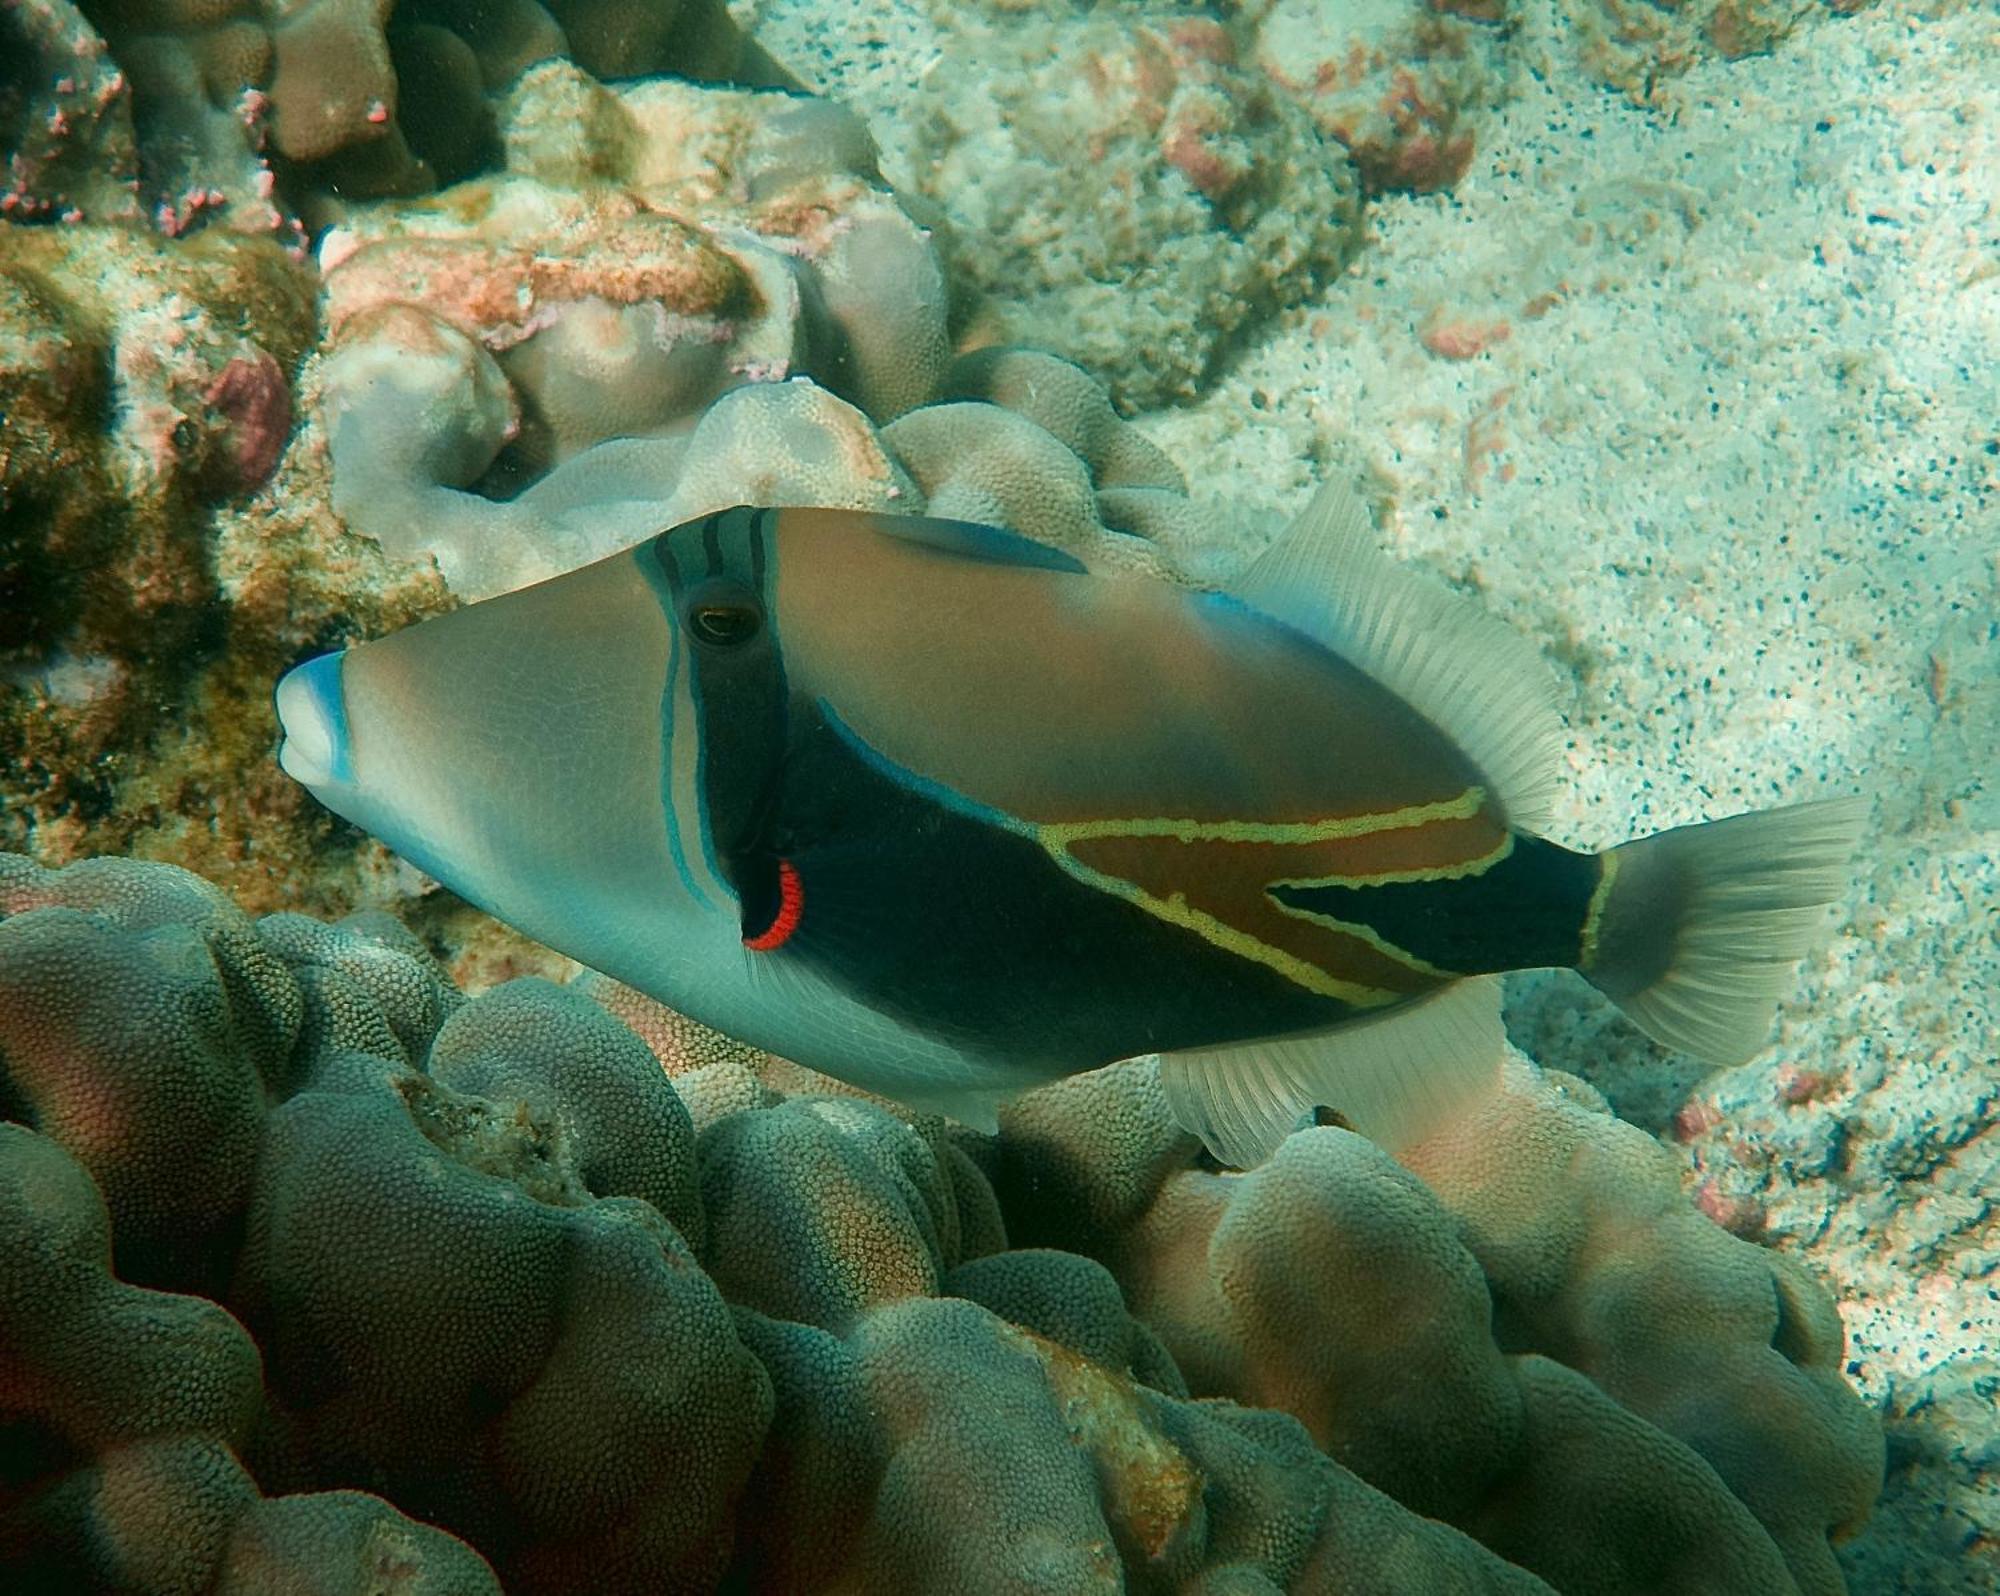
[1470, 674]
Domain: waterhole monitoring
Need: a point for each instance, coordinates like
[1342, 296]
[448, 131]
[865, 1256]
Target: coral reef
[163, 558]
[608, 321]
[609, 289]
[243, 103]
[479, 1259]
[137, 1406]
[65, 119]
[145, 386]
[142, 383]
[161, 563]
[1563, 1355]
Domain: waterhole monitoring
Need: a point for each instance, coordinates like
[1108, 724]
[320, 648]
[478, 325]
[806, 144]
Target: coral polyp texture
[339, 1270]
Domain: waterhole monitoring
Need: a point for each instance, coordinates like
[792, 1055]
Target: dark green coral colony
[325, 1278]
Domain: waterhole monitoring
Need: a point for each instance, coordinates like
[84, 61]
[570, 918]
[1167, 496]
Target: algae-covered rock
[1124, 190]
[1634, 45]
[1399, 83]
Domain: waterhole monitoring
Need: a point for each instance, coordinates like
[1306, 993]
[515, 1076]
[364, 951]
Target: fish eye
[725, 625]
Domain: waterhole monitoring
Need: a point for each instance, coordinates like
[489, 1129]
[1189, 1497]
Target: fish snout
[312, 713]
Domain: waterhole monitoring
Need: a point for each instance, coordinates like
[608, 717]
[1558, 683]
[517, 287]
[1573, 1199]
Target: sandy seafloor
[1741, 480]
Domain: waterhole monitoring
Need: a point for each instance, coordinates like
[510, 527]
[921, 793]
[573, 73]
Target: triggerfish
[939, 810]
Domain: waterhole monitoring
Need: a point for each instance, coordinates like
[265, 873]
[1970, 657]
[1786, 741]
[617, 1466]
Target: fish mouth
[312, 713]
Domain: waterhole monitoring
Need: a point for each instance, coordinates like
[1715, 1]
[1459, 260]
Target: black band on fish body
[1525, 910]
[969, 931]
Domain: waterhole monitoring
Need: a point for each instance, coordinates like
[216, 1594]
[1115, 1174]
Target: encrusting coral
[606, 323]
[616, 1319]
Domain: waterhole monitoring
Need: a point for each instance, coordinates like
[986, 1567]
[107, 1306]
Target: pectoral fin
[1394, 1077]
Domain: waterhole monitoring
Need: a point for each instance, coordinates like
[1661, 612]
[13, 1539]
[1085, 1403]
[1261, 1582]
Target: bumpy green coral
[138, 1016]
[478, 1256]
[135, 1406]
[1594, 1257]
[1332, 1283]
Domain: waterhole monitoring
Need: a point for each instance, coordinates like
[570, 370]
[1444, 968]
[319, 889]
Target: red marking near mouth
[791, 903]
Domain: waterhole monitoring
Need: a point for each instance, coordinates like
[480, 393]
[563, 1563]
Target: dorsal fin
[1470, 674]
[974, 540]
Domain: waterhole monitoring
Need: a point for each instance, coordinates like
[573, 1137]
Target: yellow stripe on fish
[1214, 878]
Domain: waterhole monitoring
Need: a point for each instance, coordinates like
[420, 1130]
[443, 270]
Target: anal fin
[973, 1107]
[1394, 1077]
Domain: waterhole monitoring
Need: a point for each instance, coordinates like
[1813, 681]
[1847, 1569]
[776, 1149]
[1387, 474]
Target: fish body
[937, 810]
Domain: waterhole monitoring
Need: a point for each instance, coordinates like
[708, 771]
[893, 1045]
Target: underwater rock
[1633, 44]
[65, 119]
[334, 101]
[142, 383]
[483, 1262]
[1123, 190]
[146, 387]
[1399, 83]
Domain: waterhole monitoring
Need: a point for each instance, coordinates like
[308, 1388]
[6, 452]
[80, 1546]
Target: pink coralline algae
[252, 394]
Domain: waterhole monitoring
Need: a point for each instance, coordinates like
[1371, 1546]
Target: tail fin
[1698, 930]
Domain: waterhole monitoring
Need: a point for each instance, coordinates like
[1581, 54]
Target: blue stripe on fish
[661, 569]
[971, 540]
